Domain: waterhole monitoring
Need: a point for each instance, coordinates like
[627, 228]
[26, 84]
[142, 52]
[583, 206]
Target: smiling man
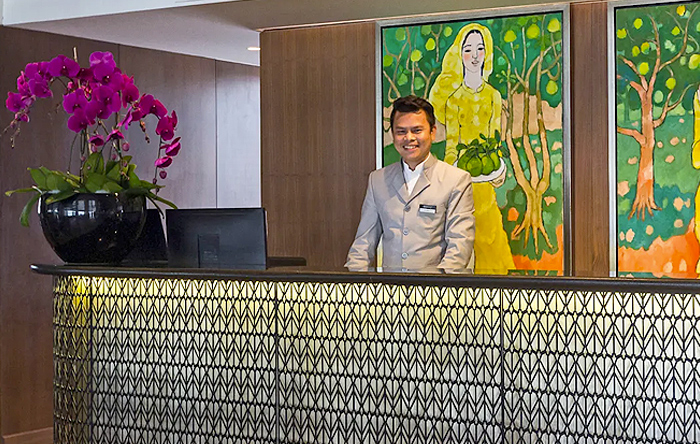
[421, 207]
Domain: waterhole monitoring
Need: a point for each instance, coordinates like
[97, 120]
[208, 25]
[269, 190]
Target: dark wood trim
[675, 286]
[589, 142]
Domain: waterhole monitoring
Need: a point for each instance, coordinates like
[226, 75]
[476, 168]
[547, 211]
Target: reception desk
[291, 356]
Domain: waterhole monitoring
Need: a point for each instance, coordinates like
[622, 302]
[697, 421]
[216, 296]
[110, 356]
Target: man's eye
[418, 130]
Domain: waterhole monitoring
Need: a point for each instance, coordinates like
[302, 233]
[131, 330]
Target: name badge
[429, 209]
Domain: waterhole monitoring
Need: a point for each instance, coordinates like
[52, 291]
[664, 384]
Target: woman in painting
[468, 107]
[695, 157]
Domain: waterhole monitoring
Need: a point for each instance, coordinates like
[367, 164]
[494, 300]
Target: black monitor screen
[217, 238]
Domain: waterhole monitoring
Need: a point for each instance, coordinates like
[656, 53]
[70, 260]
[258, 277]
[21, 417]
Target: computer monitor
[232, 238]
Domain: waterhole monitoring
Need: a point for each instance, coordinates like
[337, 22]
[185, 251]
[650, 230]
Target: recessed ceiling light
[253, 48]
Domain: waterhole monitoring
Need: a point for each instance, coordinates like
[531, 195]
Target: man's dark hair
[412, 104]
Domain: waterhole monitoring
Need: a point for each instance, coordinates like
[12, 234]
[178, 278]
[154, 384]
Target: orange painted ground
[553, 262]
[675, 257]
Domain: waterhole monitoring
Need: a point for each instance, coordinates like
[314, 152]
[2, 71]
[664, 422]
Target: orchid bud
[125, 146]
[163, 174]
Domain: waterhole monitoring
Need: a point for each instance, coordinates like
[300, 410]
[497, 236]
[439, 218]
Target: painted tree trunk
[644, 198]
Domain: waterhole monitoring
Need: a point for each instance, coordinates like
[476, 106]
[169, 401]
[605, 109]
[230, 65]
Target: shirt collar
[419, 168]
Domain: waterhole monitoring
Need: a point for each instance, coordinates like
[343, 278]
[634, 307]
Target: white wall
[28, 11]
[237, 136]
[176, 30]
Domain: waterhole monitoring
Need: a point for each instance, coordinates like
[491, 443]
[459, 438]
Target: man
[421, 207]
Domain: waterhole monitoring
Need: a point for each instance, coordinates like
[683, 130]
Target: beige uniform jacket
[431, 228]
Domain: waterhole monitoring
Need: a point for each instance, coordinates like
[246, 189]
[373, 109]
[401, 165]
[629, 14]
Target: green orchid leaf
[72, 179]
[112, 187]
[130, 192]
[59, 196]
[94, 182]
[110, 168]
[113, 171]
[155, 197]
[24, 216]
[150, 185]
[134, 181]
[56, 182]
[39, 177]
[95, 164]
[22, 190]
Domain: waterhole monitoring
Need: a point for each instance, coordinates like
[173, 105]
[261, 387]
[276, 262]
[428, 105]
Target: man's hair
[412, 104]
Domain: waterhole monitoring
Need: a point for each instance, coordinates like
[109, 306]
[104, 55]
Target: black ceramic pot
[93, 228]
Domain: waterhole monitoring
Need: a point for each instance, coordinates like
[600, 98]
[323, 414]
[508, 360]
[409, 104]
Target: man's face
[413, 137]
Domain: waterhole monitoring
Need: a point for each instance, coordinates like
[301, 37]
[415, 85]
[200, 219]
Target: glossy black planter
[93, 228]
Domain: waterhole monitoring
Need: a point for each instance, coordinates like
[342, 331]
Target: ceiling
[224, 30]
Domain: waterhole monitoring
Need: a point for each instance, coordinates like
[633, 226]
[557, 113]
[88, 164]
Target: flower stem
[70, 153]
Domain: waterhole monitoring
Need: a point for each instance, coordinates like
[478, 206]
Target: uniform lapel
[423, 181]
[397, 181]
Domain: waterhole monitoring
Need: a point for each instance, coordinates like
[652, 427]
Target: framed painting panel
[499, 84]
[654, 63]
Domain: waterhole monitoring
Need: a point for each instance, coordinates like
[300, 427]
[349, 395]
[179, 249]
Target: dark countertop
[306, 274]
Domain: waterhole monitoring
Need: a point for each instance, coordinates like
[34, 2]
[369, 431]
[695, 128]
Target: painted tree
[532, 55]
[655, 54]
[411, 59]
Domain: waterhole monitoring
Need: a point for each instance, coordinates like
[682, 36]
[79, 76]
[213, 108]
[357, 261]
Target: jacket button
[405, 232]
[407, 208]
[404, 255]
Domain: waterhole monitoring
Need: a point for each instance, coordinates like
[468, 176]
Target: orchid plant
[102, 103]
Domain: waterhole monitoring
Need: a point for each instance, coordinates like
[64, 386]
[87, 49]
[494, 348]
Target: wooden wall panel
[238, 135]
[589, 117]
[184, 83]
[187, 85]
[26, 365]
[318, 137]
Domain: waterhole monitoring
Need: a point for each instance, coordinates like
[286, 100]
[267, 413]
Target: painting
[498, 88]
[656, 146]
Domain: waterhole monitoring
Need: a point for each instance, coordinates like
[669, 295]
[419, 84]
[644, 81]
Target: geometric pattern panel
[145, 360]
[174, 360]
[601, 367]
[71, 360]
[372, 363]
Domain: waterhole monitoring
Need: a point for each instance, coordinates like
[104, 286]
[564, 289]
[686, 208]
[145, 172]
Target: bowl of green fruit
[482, 158]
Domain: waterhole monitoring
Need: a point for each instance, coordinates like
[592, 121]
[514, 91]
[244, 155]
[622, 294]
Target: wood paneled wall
[26, 339]
[186, 84]
[318, 143]
[318, 137]
[589, 143]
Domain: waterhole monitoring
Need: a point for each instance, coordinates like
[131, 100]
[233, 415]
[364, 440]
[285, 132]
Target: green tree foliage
[530, 55]
[657, 68]
[411, 59]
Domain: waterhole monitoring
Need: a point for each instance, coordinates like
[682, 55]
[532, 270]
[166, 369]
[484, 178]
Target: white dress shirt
[411, 177]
